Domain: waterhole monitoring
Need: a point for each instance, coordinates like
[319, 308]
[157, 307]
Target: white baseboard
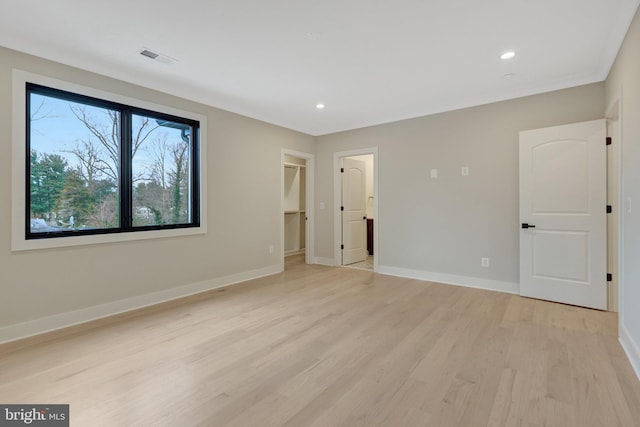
[294, 252]
[631, 348]
[451, 279]
[64, 320]
[324, 261]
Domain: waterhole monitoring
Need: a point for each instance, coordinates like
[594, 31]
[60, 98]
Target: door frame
[613, 114]
[309, 204]
[337, 192]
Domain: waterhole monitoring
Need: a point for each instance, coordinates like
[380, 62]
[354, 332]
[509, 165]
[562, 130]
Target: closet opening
[297, 236]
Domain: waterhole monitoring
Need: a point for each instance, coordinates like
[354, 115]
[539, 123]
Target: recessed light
[320, 106]
[508, 55]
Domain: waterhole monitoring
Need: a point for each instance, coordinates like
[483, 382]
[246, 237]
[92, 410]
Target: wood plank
[325, 346]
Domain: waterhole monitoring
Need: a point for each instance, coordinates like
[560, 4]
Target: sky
[56, 130]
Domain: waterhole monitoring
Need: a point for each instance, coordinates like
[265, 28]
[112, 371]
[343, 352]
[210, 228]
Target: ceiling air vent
[148, 54]
[156, 56]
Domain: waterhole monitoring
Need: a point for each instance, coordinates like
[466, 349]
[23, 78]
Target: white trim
[324, 261]
[621, 210]
[18, 122]
[451, 279]
[309, 203]
[612, 114]
[295, 252]
[618, 102]
[631, 348]
[64, 320]
[337, 191]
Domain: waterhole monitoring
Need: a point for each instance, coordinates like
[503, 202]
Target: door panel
[563, 200]
[561, 255]
[555, 188]
[354, 197]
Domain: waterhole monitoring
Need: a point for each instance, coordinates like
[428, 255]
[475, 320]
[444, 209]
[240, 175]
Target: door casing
[614, 198]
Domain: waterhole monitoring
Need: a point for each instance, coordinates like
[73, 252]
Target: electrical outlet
[484, 262]
[464, 171]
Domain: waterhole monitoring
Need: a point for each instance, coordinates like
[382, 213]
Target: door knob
[525, 225]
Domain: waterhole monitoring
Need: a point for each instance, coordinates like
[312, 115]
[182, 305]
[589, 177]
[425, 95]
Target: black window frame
[125, 184]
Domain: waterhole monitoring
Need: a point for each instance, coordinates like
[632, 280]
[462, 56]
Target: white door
[563, 214]
[354, 213]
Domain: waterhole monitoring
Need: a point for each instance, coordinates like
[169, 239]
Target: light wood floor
[319, 346]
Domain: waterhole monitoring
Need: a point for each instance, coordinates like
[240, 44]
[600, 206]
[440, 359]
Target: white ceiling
[369, 61]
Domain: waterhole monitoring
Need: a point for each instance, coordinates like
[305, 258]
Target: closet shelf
[294, 208]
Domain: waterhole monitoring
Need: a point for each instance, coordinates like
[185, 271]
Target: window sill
[20, 244]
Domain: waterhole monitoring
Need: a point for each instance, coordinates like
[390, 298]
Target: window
[97, 166]
[92, 167]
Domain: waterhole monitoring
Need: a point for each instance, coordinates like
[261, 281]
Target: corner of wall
[451, 279]
[631, 348]
[324, 261]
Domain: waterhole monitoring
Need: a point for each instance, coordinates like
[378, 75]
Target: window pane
[74, 165]
[161, 170]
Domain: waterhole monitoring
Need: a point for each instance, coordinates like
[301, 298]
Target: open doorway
[355, 195]
[297, 207]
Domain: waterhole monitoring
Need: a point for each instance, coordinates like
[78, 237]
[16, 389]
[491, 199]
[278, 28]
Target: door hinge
[609, 277]
[342, 208]
[608, 140]
[341, 170]
[609, 209]
[342, 247]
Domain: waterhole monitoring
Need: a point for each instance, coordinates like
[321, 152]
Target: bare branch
[92, 165]
[142, 134]
[39, 114]
[112, 146]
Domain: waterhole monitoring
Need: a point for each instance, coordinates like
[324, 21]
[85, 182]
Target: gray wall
[244, 173]
[623, 85]
[446, 225]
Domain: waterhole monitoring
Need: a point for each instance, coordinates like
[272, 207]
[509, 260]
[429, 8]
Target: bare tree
[108, 135]
[92, 166]
[159, 171]
[178, 177]
[143, 132]
[158, 167]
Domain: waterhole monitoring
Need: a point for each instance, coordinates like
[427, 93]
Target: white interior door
[563, 214]
[354, 213]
